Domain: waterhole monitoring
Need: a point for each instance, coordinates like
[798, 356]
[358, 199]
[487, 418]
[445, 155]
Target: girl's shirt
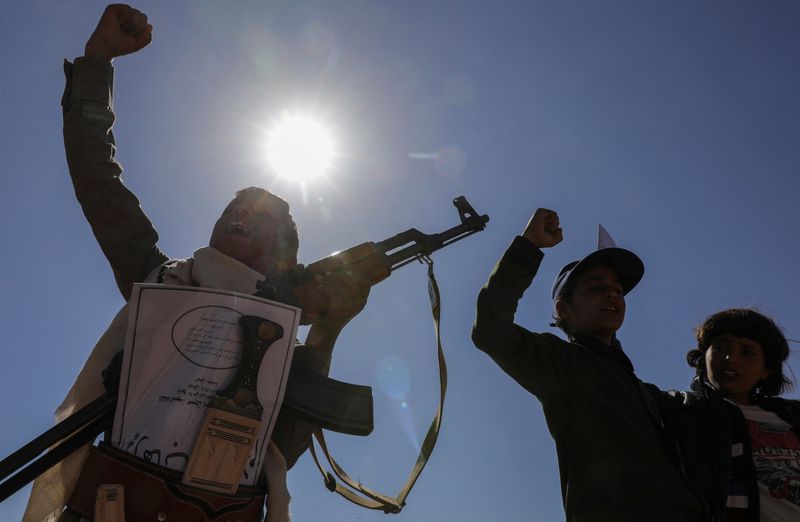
[776, 457]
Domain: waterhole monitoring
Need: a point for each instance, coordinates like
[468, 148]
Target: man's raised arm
[123, 231]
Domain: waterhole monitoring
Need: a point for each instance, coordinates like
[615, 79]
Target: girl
[740, 356]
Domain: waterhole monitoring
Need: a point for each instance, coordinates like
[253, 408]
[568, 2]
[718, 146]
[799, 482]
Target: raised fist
[121, 30]
[543, 230]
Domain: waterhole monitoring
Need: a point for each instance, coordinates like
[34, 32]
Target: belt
[155, 493]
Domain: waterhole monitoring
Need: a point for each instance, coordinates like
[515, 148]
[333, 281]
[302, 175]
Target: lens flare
[394, 377]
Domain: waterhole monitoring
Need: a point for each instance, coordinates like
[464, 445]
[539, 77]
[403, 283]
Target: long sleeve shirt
[123, 231]
[615, 462]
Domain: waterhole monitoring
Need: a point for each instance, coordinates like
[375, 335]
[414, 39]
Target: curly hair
[750, 324]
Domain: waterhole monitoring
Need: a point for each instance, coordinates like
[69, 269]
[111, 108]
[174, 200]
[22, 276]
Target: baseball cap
[625, 263]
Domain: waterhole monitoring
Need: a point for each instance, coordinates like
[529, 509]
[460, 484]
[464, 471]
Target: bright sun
[299, 148]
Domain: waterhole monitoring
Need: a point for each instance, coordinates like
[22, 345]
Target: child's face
[597, 307]
[735, 365]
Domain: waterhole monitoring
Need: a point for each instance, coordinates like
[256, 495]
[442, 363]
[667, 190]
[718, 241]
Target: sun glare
[299, 148]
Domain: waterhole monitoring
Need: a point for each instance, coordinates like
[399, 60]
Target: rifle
[330, 404]
[373, 261]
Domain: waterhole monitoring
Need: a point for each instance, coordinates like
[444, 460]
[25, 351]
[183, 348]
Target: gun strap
[358, 493]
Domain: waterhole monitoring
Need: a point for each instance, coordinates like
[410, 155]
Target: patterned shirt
[776, 457]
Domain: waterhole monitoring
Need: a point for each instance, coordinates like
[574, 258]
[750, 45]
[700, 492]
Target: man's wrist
[278, 492]
[326, 329]
[324, 332]
[98, 50]
[278, 498]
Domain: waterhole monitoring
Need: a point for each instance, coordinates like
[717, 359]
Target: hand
[543, 230]
[121, 30]
[345, 294]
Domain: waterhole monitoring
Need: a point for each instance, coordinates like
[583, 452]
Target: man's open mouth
[237, 227]
[611, 309]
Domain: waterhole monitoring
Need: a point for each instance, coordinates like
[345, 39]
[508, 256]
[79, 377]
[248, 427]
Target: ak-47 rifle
[374, 262]
[328, 403]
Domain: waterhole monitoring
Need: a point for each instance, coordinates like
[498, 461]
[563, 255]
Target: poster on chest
[183, 345]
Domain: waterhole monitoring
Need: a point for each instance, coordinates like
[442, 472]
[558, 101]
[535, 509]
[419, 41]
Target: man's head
[589, 294]
[257, 229]
[741, 352]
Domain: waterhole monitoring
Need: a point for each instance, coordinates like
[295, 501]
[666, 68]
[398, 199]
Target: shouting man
[255, 238]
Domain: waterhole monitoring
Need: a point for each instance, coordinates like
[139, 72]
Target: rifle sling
[357, 492]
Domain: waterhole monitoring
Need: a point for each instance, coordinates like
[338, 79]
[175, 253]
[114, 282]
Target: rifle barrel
[426, 244]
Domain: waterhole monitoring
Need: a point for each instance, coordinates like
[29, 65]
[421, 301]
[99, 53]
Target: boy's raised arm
[530, 358]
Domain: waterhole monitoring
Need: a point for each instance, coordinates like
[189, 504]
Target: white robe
[207, 268]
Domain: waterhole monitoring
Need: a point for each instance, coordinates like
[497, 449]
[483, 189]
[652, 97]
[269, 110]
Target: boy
[616, 463]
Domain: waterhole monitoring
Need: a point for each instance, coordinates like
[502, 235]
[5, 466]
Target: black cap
[625, 263]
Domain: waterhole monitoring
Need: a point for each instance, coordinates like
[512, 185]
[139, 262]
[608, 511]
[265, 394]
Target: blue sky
[675, 124]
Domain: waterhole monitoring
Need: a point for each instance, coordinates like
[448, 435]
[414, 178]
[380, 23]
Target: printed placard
[183, 344]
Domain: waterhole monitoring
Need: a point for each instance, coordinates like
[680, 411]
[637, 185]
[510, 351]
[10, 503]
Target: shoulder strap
[357, 492]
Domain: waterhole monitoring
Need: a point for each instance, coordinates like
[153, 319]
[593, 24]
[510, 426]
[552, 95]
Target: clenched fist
[543, 230]
[121, 30]
[344, 294]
